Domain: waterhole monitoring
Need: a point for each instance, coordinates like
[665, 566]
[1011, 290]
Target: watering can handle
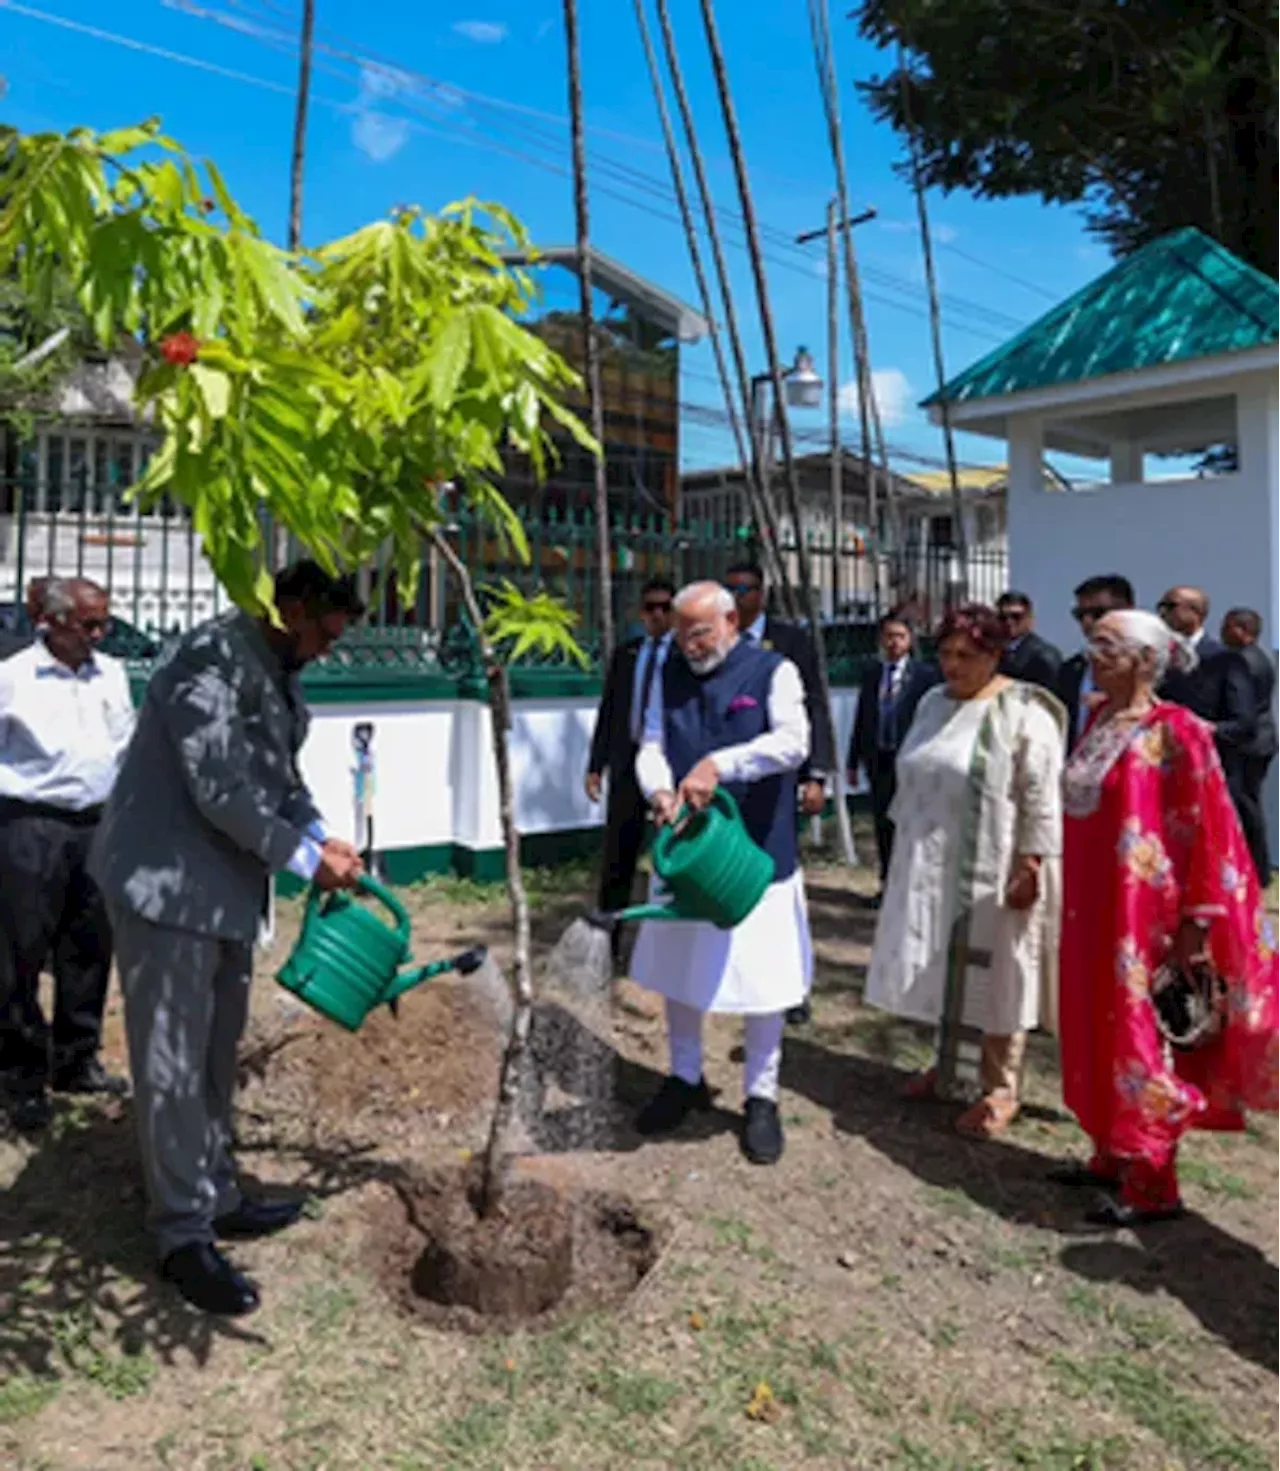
[388, 901]
[316, 897]
[721, 798]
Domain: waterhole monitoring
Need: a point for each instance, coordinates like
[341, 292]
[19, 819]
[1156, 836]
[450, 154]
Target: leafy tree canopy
[332, 392]
[1153, 115]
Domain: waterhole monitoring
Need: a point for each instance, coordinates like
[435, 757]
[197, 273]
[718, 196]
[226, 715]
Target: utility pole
[960, 539]
[833, 406]
[590, 339]
[298, 164]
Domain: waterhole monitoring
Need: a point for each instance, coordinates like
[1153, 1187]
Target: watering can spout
[638, 912]
[465, 964]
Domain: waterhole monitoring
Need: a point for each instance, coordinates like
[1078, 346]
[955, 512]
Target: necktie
[650, 655]
[888, 699]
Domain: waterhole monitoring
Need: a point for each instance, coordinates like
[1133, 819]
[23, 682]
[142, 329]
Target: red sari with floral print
[1161, 844]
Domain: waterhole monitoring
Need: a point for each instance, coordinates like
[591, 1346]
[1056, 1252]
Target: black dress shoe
[90, 1077]
[257, 1218]
[1116, 1215]
[30, 1113]
[800, 1016]
[671, 1105]
[762, 1132]
[208, 1281]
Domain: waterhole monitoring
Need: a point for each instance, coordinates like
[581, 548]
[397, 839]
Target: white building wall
[434, 780]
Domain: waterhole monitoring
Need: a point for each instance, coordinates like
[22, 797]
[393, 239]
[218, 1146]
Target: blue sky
[426, 104]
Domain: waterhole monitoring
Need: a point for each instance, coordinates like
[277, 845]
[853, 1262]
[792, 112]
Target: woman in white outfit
[968, 930]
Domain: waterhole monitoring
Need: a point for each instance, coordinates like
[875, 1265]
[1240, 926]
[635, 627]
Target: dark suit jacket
[1220, 690]
[864, 744]
[613, 751]
[1262, 677]
[1035, 661]
[1070, 678]
[12, 642]
[795, 644]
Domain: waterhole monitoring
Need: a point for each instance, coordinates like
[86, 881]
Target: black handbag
[1190, 1004]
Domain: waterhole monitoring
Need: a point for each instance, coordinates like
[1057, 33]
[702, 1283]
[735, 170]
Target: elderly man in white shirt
[65, 719]
[727, 712]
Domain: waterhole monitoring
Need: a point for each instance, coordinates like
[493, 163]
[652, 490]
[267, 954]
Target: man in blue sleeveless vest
[727, 713]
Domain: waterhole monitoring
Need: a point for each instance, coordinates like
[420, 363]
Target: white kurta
[764, 964]
[978, 784]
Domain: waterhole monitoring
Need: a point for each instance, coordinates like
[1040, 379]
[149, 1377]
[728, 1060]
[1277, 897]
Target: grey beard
[710, 663]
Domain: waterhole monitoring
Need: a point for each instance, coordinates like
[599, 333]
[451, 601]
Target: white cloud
[376, 134]
[893, 395]
[942, 234]
[482, 32]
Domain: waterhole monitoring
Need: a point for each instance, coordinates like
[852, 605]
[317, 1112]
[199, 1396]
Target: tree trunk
[494, 1163]
[590, 338]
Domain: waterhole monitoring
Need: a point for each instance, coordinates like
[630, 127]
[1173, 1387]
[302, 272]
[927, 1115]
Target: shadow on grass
[79, 1290]
[1227, 1283]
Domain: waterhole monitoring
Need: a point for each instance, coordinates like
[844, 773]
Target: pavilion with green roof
[1171, 353]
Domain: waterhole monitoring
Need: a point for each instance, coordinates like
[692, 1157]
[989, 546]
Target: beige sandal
[988, 1117]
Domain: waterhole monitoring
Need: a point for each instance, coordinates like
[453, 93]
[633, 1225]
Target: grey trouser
[186, 998]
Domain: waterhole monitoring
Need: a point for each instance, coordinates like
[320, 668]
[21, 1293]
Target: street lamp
[803, 387]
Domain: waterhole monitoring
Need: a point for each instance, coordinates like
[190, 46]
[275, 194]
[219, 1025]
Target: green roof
[1182, 297]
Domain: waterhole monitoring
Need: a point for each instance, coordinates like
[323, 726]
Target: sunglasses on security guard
[657, 605]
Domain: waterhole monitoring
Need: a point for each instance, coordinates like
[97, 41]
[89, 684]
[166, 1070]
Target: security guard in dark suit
[619, 726]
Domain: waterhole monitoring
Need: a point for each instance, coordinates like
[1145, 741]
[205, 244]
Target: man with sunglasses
[1027, 656]
[628, 688]
[65, 719]
[1095, 598]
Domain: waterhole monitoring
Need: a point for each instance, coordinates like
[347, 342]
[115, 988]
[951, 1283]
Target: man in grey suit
[208, 804]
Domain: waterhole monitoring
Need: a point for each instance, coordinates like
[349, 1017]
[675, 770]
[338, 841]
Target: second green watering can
[347, 960]
[709, 864]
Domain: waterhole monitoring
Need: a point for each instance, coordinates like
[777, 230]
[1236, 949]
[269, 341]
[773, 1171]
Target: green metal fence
[416, 639]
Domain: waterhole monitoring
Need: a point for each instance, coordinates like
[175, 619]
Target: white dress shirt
[783, 747]
[646, 653]
[63, 731]
[755, 631]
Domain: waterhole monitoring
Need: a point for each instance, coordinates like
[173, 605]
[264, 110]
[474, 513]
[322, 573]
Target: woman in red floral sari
[1155, 871]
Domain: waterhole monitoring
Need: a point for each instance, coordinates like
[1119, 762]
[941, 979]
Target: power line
[538, 136]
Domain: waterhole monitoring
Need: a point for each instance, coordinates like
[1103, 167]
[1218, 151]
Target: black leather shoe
[91, 1077]
[762, 1140]
[800, 1016]
[671, 1105]
[257, 1218]
[1116, 1215]
[30, 1113]
[209, 1282]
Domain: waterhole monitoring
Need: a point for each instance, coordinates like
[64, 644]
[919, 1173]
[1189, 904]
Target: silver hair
[1145, 633]
[58, 598]
[720, 597]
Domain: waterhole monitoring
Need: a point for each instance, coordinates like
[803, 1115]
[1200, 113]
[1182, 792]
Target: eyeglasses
[1087, 615]
[740, 589]
[1170, 605]
[657, 605]
[1012, 615]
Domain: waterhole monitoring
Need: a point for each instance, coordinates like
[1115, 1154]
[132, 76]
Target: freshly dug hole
[548, 1250]
[515, 1263]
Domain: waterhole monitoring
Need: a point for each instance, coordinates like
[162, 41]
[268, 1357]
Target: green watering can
[347, 961]
[709, 864]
